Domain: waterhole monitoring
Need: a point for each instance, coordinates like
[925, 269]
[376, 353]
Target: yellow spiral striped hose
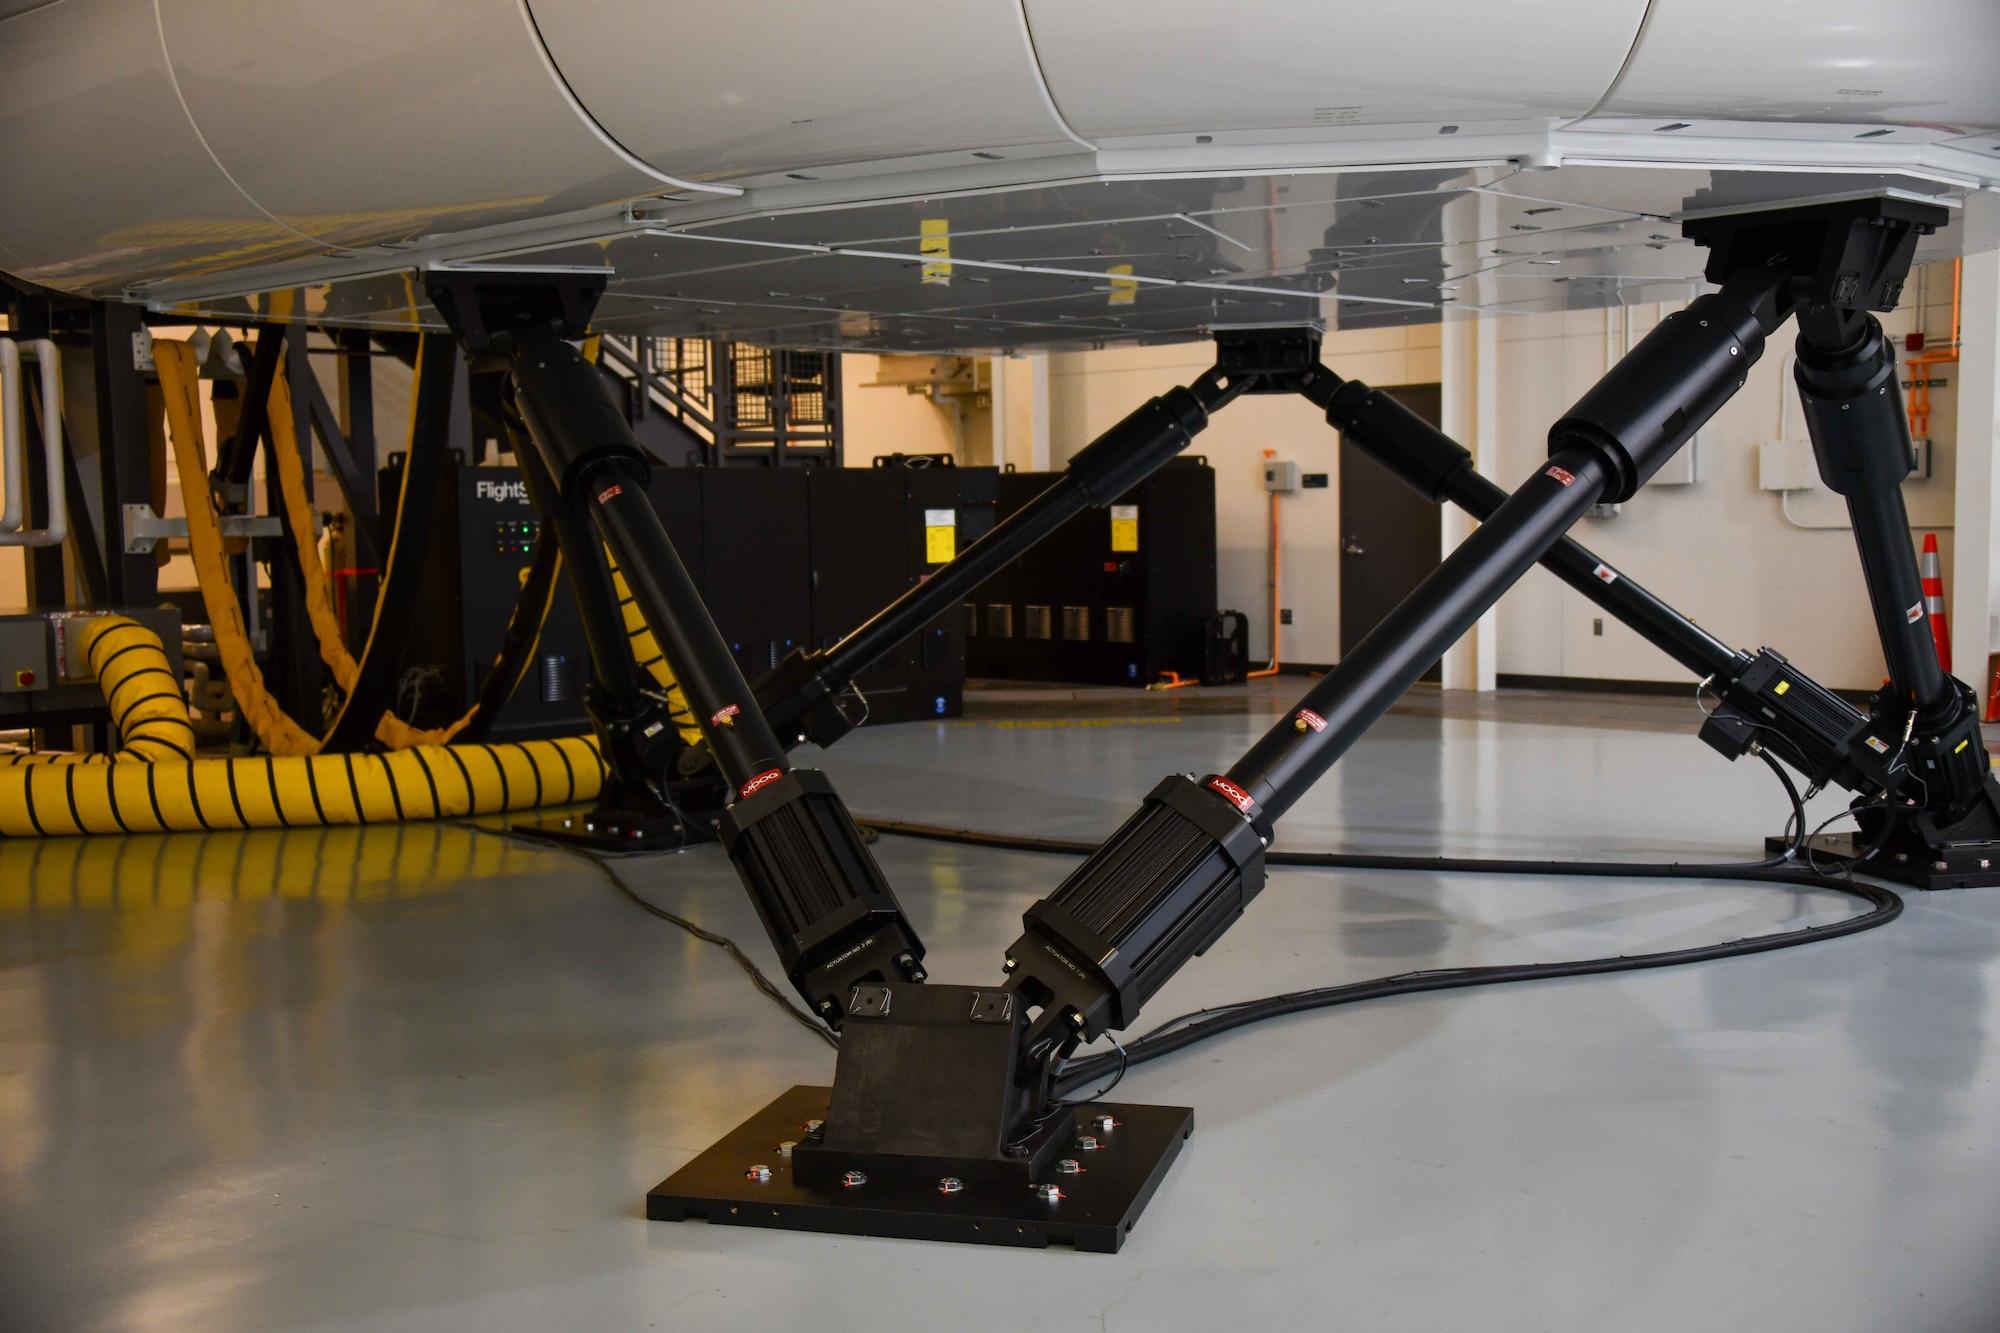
[151, 787]
[646, 651]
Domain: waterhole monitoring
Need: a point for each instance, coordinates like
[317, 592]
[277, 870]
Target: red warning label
[1561, 474]
[1312, 719]
[1606, 574]
[1232, 793]
[724, 716]
[764, 779]
[608, 492]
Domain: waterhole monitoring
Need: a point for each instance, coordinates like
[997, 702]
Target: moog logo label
[1230, 792]
[516, 491]
[762, 780]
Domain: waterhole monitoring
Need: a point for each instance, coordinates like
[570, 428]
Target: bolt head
[1087, 1143]
[1104, 1124]
[1076, 1020]
[854, 1179]
[1049, 1193]
[758, 1173]
[1069, 1166]
[785, 1148]
[950, 1185]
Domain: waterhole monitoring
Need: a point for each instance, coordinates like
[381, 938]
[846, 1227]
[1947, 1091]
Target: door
[1389, 535]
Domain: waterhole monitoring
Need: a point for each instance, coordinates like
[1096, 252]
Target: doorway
[1390, 536]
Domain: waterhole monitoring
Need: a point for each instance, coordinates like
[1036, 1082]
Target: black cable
[706, 936]
[1795, 823]
[1187, 1029]
[727, 945]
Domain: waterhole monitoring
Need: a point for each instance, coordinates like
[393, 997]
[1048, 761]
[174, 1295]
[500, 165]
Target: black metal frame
[709, 394]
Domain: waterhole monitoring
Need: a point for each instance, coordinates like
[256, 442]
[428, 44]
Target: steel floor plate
[1097, 1210]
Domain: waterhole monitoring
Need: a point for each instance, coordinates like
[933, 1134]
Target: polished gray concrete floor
[421, 1078]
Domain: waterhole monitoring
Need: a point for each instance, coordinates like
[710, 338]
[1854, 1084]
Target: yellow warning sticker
[1124, 290]
[1781, 687]
[934, 243]
[940, 535]
[1124, 527]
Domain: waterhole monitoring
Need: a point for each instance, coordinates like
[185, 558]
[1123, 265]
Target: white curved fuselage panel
[181, 151]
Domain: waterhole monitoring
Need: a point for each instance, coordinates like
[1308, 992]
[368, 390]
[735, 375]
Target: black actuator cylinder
[830, 913]
[1854, 413]
[1651, 402]
[1279, 768]
[1439, 467]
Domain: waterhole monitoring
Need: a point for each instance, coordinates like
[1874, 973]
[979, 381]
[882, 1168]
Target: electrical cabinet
[785, 558]
[482, 536]
[1115, 596]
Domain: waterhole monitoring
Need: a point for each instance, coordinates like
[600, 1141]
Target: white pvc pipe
[13, 414]
[12, 455]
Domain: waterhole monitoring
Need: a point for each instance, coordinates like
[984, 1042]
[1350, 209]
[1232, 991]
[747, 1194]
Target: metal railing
[744, 404]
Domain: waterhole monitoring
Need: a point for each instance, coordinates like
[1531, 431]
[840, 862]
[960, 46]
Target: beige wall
[888, 419]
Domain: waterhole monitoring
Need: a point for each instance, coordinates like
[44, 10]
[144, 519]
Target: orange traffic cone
[1933, 578]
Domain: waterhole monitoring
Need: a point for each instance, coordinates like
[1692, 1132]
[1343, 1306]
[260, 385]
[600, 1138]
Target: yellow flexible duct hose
[279, 734]
[423, 782]
[392, 731]
[646, 651]
[57, 795]
[144, 695]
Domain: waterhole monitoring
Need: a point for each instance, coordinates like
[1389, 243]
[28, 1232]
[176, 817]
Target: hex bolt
[950, 1185]
[1076, 1020]
[814, 1126]
[1047, 1193]
[854, 1178]
[1087, 1143]
[758, 1173]
[1103, 1124]
[785, 1148]
[1069, 1166]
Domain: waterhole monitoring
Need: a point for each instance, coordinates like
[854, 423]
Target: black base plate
[1953, 868]
[1097, 1208]
[599, 832]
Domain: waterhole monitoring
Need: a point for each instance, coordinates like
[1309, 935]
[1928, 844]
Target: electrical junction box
[1281, 475]
[1786, 465]
[24, 655]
